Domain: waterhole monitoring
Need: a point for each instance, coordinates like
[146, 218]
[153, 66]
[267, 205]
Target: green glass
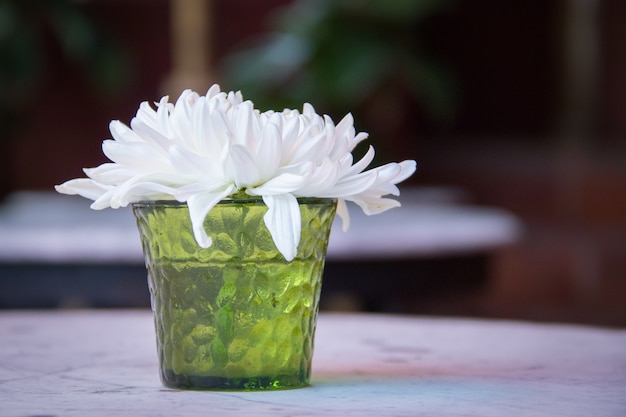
[237, 315]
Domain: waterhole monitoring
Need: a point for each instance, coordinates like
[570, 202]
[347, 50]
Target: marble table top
[103, 363]
[52, 228]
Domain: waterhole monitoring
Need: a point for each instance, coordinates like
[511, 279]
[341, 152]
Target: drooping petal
[199, 206]
[373, 204]
[344, 215]
[284, 223]
[103, 201]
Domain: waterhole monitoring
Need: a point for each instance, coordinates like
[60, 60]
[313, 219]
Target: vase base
[259, 383]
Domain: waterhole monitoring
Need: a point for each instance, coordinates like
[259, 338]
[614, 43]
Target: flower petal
[245, 172]
[284, 223]
[203, 185]
[109, 173]
[269, 154]
[351, 185]
[122, 133]
[373, 204]
[82, 186]
[284, 183]
[135, 154]
[363, 162]
[344, 215]
[199, 206]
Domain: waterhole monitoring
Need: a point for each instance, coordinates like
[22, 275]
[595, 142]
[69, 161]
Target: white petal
[185, 192]
[247, 129]
[135, 154]
[342, 212]
[351, 185]
[308, 109]
[373, 204]
[84, 187]
[180, 119]
[321, 179]
[269, 154]
[110, 174]
[284, 183]
[407, 168]
[147, 115]
[199, 206]
[190, 163]
[149, 186]
[123, 133]
[359, 138]
[213, 90]
[363, 162]
[200, 121]
[164, 109]
[284, 223]
[104, 201]
[392, 173]
[138, 189]
[150, 134]
[245, 171]
[346, 125]
[310, 148]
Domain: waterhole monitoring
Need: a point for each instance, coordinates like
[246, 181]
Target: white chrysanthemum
[206, 148]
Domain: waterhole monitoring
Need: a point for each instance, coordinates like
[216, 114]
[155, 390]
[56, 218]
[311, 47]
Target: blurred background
[519, 106]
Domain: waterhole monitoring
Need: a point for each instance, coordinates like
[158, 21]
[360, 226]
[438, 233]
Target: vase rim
[227, 201]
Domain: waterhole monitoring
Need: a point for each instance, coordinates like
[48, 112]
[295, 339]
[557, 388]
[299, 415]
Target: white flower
[207, 148]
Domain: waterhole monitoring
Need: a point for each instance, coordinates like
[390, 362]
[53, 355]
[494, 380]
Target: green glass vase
[237, 315]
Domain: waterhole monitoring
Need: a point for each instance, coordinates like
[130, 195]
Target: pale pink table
[103, 363]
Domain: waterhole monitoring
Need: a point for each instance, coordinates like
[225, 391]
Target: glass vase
[237, 315]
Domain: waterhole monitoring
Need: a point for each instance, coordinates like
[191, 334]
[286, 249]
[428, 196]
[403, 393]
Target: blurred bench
[56, 251]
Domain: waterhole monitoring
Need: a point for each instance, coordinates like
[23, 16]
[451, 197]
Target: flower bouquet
[234, 208]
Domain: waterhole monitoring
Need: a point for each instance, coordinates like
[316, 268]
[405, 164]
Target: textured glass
[235, 315]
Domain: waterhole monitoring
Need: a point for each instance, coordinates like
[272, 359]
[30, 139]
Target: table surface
[49, 227]
[103, 363]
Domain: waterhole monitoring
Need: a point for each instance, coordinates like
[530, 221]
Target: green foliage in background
[31, 30]
[344, 55]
